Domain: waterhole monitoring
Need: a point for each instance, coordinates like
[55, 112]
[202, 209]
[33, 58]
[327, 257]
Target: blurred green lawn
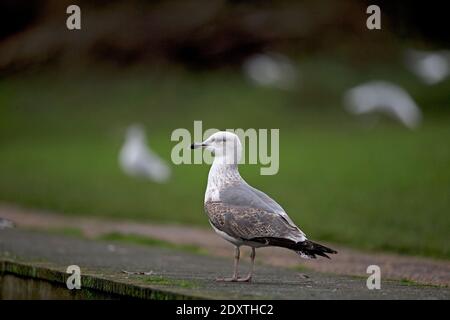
[380, 187]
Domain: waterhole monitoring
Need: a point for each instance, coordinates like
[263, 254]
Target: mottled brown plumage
[247, 223]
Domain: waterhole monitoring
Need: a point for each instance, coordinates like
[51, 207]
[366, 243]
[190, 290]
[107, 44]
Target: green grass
[408, 282]
[162, 281]
[378, 188]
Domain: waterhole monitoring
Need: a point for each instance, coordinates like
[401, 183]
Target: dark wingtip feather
[305, 248]
[311, 249]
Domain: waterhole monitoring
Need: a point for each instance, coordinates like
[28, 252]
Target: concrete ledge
[36, 263]
[92, 286]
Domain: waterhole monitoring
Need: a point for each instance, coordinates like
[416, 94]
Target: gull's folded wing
[248, 224]
[244, 195]
[243, 213]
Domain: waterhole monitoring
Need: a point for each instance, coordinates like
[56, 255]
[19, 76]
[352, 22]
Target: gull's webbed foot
[246, 279]
[232, 279]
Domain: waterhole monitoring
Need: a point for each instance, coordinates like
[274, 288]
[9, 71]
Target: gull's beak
[198, 145]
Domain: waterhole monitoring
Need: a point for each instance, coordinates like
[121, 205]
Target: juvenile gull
[244, 215]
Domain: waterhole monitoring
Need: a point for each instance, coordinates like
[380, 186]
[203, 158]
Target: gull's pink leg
[248, 278]
[237, 253]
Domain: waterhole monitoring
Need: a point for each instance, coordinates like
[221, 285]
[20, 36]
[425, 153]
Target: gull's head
[225, 146]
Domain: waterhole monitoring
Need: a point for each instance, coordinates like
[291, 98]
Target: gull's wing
[273, 204]
[246, 196]
[250, 224]
[246, 213]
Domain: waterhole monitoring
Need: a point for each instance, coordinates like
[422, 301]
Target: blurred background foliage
[206, 33]
[67, 97]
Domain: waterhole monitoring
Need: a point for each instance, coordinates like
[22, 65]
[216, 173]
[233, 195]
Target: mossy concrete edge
[122, 287]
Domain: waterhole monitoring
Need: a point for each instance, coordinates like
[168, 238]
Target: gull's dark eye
[224, 139]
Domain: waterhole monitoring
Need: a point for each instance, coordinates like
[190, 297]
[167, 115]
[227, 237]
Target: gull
[271, 70]
[432, 67]
[138, 160]
[385, 97]
[244, 215]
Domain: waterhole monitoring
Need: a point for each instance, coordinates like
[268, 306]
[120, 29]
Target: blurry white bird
[271, 70]
[4, 223]
[138, 160]
[385, 97]
[432, 67]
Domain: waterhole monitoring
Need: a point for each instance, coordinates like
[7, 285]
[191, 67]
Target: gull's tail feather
[308, 249]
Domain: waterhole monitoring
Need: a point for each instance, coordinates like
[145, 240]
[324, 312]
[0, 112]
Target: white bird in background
[138, 160]
[271, 70]
[432, 67]
[384, 97]
[5, 223]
